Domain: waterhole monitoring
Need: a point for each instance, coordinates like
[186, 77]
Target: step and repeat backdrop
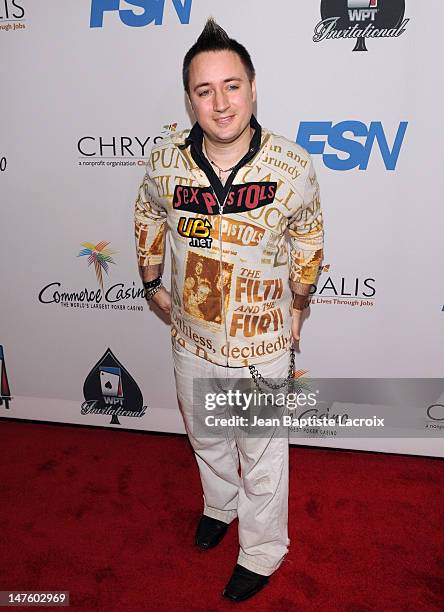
[88, 86]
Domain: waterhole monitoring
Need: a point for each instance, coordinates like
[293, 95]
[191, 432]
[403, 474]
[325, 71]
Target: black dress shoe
[244, 584]
[210, 532]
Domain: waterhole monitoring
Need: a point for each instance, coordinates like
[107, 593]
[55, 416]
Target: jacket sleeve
[150, 222]
[306, 230]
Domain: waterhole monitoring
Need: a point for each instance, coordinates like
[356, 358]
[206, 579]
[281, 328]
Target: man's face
[221, 94]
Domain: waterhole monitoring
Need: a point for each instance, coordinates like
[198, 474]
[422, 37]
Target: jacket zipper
[222, 297]
[228, 183]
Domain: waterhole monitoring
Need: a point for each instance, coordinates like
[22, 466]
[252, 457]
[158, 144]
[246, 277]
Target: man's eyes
[205, 92]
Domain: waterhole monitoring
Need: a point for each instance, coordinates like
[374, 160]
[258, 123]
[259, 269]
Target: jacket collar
[195, 137]
[194, 141]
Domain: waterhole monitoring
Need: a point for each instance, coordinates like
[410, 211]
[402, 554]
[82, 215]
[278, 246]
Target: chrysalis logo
[110, 389]
[11, 11]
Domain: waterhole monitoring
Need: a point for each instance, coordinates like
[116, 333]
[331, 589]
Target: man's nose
[220, 101]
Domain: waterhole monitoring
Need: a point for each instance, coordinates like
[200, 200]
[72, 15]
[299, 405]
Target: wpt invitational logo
[360, 19]
[338, 290]
[110, 389]
[5, 393]
[119, 151]
[114, 296]
[12, 16]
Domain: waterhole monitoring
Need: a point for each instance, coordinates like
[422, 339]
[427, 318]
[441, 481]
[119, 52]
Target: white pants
[259, 495]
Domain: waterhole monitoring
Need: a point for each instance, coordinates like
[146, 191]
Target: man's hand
[297, 316]
[162, 299]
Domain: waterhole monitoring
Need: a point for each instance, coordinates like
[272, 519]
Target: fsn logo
[358, 153]
[152, 12]
[361, 10]
[197, 230]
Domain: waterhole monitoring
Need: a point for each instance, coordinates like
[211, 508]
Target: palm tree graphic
[98, 255]
[299, 383]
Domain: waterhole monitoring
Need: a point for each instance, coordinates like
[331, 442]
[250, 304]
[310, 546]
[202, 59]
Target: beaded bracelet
[150, 293]
[153, 283]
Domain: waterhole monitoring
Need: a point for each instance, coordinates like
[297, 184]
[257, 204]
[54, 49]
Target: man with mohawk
[243, 210]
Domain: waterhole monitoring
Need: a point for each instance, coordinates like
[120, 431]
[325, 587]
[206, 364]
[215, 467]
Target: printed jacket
[233, 247]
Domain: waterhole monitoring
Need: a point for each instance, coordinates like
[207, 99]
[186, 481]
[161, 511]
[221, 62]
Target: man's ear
[253, 89]
[189, 103]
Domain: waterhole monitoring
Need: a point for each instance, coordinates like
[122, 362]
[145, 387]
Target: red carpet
[110, 516]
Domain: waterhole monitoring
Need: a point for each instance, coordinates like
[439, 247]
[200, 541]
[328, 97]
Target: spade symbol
[389, 15]
[131, 401]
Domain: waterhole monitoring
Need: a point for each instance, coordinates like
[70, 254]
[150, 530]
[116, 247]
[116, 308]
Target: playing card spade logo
[110, 389]
[360, 20]
[111, 381]
[5, 393]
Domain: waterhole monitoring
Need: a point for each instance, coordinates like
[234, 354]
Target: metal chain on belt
[257, 376]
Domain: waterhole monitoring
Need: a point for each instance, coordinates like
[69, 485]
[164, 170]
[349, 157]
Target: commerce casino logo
[12, 16]
[5, 393]
[338, 290]
[144, 13]
[118, 151]
[110, 389]
[117, 296]
[364, 139]
[360, 19]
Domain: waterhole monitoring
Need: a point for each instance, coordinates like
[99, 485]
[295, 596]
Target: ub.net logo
[361, 10]
[146, 11]
[314, 135]
[197, 230]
